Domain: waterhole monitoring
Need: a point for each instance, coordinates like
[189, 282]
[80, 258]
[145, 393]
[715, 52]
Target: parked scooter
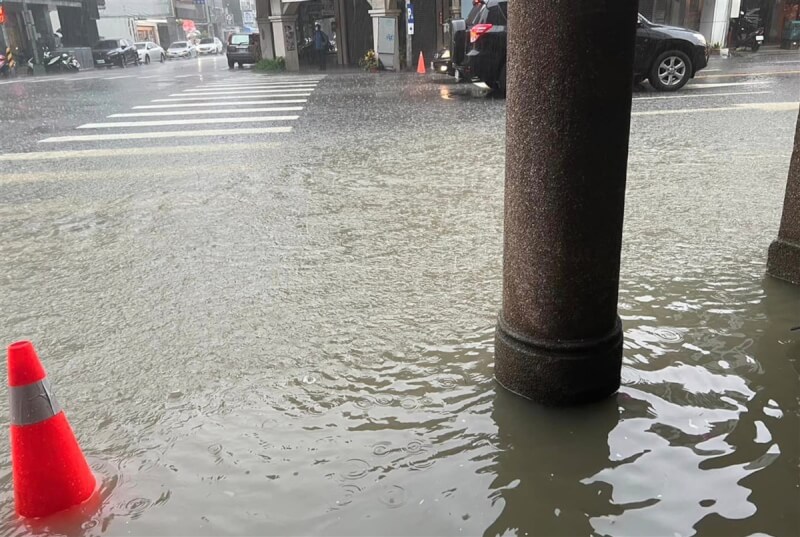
[59, 62]
[747, 30]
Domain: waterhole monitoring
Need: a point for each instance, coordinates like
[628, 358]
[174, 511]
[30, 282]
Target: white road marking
[225, 97]
[24, 81]
[197, 112]
[117, 77]
[186, 76]
[226, 85]
[192, 93]
[151, 76]
[255, 87]
[684, 96]
[132, 151]
[216, 104]
[166, 134]
[721, 85]
[204, 121]
[764, 107]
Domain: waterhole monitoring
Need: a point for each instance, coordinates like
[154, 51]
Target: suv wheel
[231, 63]
[671, 71]
[501, 80]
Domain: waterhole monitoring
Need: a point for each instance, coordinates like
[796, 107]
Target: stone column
[390, 61]
[559, 338]
[265, 31]
[784, 253]
[263, 11]
[284, 30]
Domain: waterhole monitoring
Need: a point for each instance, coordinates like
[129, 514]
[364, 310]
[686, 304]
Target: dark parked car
[243, 48]
[666, 56]
[110, 52]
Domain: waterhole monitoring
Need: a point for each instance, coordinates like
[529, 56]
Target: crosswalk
[221, 109]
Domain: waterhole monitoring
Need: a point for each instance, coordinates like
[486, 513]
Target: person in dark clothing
[321, 42]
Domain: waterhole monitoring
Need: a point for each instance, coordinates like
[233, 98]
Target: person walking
[321, 43]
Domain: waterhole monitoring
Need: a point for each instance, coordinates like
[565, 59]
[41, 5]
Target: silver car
[150, 52]
[181, 49]
[210, 45]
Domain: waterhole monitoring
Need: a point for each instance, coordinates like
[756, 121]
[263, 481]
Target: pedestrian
[321, 43]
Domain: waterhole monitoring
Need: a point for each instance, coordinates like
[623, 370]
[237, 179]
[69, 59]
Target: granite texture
[784, 253]
[568, 120]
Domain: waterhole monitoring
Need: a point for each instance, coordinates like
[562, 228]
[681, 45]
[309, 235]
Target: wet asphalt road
[290, 331]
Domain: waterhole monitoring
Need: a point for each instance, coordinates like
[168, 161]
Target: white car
[150, 52]
[210, 45]
[181, 49]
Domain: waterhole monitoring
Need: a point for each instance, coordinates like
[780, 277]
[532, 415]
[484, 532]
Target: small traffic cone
[421, 64]
[49, 470]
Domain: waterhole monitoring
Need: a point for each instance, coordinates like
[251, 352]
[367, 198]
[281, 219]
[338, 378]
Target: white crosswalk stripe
[304, 87]
[201, 112]
[171, 122]
[165, 134]
[216, 104]
[228, 97]
[242, 92]
[260, 86]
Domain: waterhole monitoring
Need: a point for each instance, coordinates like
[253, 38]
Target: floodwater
[308, 349]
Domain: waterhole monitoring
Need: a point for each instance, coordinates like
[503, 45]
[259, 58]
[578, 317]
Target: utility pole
[30, 29]
[559, 338]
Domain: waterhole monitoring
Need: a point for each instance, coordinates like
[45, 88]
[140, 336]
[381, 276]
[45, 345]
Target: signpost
[409, 33]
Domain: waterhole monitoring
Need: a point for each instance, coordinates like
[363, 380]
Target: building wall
[116, 27]
[142, 9]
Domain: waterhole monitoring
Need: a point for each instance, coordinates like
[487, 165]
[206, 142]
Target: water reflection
[544, 457]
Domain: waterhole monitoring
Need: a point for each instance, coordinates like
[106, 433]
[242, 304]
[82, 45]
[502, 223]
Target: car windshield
[107, 43]
[141, 46]
[206, 41]
[178, 44]
[241, 39]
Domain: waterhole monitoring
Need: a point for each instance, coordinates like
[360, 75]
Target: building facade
[712, 17]
[29, 25]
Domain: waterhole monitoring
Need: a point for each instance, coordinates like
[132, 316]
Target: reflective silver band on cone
[32, 403]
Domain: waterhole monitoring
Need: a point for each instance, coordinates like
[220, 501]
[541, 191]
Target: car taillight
[478, 30]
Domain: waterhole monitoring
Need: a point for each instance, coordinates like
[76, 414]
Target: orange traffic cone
[49, 470]
[421, 64]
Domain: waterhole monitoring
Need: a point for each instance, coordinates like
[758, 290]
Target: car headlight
[446, 54]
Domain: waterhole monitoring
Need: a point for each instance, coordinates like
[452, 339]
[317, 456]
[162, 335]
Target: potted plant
[370, 62]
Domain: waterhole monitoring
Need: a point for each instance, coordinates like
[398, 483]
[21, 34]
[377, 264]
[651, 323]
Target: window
[498, 14]
[240, 39]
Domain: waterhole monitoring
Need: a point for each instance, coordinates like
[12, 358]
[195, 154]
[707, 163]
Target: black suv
[667, 56]
[243, 48]
[110, 52]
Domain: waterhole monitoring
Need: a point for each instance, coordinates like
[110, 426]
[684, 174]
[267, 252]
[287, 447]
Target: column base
[784, 261]
[558, 373]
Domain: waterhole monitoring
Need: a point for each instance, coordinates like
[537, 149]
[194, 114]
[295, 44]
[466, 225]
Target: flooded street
[294, 334]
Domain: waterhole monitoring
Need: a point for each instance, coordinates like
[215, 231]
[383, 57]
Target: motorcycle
[59, 62]
[747, 30]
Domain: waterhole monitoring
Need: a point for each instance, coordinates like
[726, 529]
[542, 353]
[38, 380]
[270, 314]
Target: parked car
[667, 56]
[110, 52]
[150, 52]
[210, 45]
[181, 49]
[242, 49]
